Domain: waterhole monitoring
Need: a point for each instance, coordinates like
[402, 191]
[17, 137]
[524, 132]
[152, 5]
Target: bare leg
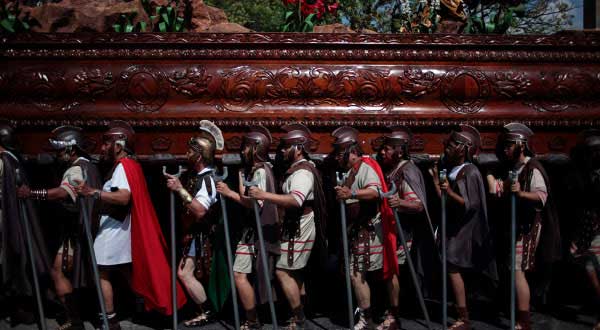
[593, 276]
[185, 272]
[458, 286]
[393, 286]
[523, 295]
[62, 285]
[290, 287]
[245, 290]
[361, 290]
[107, 291]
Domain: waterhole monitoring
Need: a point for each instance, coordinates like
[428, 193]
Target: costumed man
[200, 219]
[72, 268]
[129, 239]
[17, 281]
[303, 224]
[585, 244]
[411, 202]
[469, 246]
[255, 165]
[372, 233]
[538, 234]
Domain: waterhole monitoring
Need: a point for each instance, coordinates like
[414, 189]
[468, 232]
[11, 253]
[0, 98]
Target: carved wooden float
[164, 84]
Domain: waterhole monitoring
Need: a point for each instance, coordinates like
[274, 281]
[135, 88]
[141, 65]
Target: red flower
[290, 2]
[332, 8]
[312, 7]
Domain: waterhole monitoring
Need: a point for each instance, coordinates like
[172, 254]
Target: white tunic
[300, 184]
[113, 242]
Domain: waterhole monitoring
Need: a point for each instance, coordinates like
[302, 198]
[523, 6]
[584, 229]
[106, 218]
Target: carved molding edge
[366, 123]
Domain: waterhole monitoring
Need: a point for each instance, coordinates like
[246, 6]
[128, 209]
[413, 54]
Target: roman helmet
[121, 133]
[259, 138]
[68, 138]
[209, 140]
[520, 135]
[398, 137]
[8, 140]
[468, 137]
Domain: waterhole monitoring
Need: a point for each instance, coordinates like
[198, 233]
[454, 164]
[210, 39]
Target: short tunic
[113, 242]
[407, 193]
[538, 186]
[366, 178]
[299, 184]
[246, 251]
[70, 178]
[206, 200]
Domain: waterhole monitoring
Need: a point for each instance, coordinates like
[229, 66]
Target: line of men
[293, 218]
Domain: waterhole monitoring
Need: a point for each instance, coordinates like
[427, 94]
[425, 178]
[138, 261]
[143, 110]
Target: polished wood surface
[164, 84]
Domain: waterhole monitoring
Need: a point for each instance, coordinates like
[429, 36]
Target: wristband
[185, 196]
[39, 194]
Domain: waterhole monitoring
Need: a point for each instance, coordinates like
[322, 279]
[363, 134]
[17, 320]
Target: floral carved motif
[511, 85]
[567, 91]
[193, 82]
[92, 83]
[44, 89]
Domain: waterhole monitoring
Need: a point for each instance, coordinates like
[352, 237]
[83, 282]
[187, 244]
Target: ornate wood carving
[167, 83]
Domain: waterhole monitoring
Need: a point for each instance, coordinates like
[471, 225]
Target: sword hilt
[340, 178]
[443, 176]
[223, 176]
[180, 171]
[390, 192]
[250, 183]
[513, 177]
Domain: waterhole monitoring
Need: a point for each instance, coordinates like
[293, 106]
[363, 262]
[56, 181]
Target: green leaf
[26, 26]
[489, 27]
[7, 26]
[158, 10]
[129, 28]
[165, 19]
[142, 26]
[309, 18]
[162, 27]
[117, 27]
[288, 14]
[177, 27]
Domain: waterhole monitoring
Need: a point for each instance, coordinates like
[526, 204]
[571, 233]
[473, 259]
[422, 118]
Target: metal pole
[28, 238]
[443, 178]
[173, 249]
[236, 312]
[513, 250]
[340, 181]
[263, 255]
[411, 267]
[90, 242]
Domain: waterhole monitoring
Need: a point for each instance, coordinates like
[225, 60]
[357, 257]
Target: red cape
[151, 273]
[390, 260]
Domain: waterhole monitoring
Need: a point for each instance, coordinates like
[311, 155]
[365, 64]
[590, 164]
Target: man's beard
[109, 155]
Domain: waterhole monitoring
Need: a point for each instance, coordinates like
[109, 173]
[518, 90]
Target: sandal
[389, 323]
[460, 325]
[199, 320]
[295, 324]
[250, 325]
